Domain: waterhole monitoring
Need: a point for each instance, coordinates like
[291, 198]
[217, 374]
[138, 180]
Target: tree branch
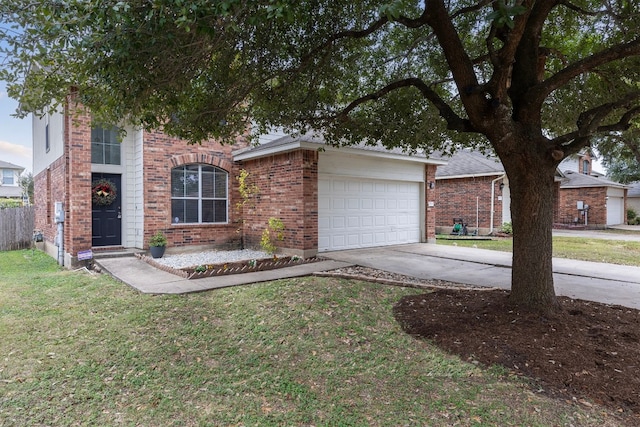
[454, 121]
[614, 53]
[590, 122]
[460, 64]
[578, 9]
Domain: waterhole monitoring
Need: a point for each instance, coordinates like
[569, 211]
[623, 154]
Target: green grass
[609, 251]
[82, 349]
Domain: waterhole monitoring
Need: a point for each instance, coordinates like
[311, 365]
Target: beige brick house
[328, 199]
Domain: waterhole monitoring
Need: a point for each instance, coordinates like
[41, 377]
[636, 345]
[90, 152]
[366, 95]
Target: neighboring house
[474, 187]
[10, 180]
[633, 197]
[327, 200]
[605, 198]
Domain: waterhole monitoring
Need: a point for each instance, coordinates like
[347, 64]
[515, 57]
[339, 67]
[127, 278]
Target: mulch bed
[588, 352]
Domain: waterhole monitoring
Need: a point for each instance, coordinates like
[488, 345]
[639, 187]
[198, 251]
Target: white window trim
[200, 198]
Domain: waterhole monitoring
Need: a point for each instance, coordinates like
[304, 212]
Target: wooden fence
[16, 228]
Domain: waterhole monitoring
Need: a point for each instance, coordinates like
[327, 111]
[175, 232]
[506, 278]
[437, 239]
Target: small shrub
[272, 234]
[10, 203]
[506, 228]
[631, 215]
[158, 239]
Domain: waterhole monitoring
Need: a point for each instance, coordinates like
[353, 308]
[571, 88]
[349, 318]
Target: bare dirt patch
[588, 352]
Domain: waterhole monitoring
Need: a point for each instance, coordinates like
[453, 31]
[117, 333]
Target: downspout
[493, 195]
[60, 243]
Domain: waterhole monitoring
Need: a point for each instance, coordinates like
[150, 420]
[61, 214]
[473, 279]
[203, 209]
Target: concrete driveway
[606, 283]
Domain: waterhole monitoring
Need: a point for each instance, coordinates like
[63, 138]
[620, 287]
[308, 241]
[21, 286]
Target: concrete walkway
[593, 281]
[150, 280]
[606, 283]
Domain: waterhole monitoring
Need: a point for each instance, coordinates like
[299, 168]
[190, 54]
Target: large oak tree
[535, 81]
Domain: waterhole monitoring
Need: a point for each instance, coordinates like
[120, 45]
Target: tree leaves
[504, 14]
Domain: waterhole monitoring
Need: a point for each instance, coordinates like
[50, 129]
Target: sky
[15, 134]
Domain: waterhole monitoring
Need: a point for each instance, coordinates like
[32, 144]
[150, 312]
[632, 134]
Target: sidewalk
[150, 280]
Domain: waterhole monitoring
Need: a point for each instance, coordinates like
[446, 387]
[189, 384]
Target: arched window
[198, 194]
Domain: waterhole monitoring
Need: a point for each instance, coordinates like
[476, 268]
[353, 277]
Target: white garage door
[615, 210]
[359, 213]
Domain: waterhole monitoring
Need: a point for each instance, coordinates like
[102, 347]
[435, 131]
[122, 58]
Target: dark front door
[106, 215]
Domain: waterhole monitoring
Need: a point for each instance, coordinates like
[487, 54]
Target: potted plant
[157, 244]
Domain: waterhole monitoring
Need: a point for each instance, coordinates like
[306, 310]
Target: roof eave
[295, 145]
[472, 175]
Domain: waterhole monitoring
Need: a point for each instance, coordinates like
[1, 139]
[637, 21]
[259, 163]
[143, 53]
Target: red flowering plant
[103, 192]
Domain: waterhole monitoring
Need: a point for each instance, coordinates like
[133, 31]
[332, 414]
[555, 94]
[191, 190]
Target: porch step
[116, 252]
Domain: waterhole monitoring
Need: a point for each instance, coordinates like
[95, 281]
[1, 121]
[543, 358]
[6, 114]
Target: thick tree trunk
[532, 198]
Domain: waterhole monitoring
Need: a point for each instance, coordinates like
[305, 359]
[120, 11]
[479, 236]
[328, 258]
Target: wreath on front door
[103, 192]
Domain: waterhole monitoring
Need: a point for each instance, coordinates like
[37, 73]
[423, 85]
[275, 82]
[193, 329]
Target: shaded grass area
[82, 349]
[620, 252]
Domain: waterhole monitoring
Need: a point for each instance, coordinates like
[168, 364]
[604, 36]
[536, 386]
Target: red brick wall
[288, 190]
[595, 197]
[456, 198]
[49, 187]
[161, 154]
[77, 150]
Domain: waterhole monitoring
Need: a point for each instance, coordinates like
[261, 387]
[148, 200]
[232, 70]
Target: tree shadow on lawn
[588, 351]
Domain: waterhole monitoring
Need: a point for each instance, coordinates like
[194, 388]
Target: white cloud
[16, 154]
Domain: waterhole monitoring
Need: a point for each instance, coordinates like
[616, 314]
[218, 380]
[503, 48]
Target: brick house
[10, 181]
[606, 201]
[327, 199]
[474, 187]
[633, 196]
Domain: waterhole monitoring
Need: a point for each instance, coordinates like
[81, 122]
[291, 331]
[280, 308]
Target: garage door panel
[366, 204]
[353, 187]
[338, 222]
[366, 221]
[352, 239]
[615, 210]
[360, 213]
[353, 203]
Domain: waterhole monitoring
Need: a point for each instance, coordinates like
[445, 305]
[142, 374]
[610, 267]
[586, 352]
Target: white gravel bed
[209, 257]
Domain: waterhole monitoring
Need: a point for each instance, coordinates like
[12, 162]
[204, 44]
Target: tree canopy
[406, 72]
[535, 80]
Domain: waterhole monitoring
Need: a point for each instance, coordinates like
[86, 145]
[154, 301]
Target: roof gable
[579, 180]
[466, 163]
[7, 165]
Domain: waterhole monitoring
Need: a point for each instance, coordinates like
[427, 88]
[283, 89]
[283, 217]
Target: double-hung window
[105, 146]
[8, 177]
[198, 194]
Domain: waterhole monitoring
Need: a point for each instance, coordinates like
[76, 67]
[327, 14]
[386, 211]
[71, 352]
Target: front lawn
[621, 252]
[82, 349]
